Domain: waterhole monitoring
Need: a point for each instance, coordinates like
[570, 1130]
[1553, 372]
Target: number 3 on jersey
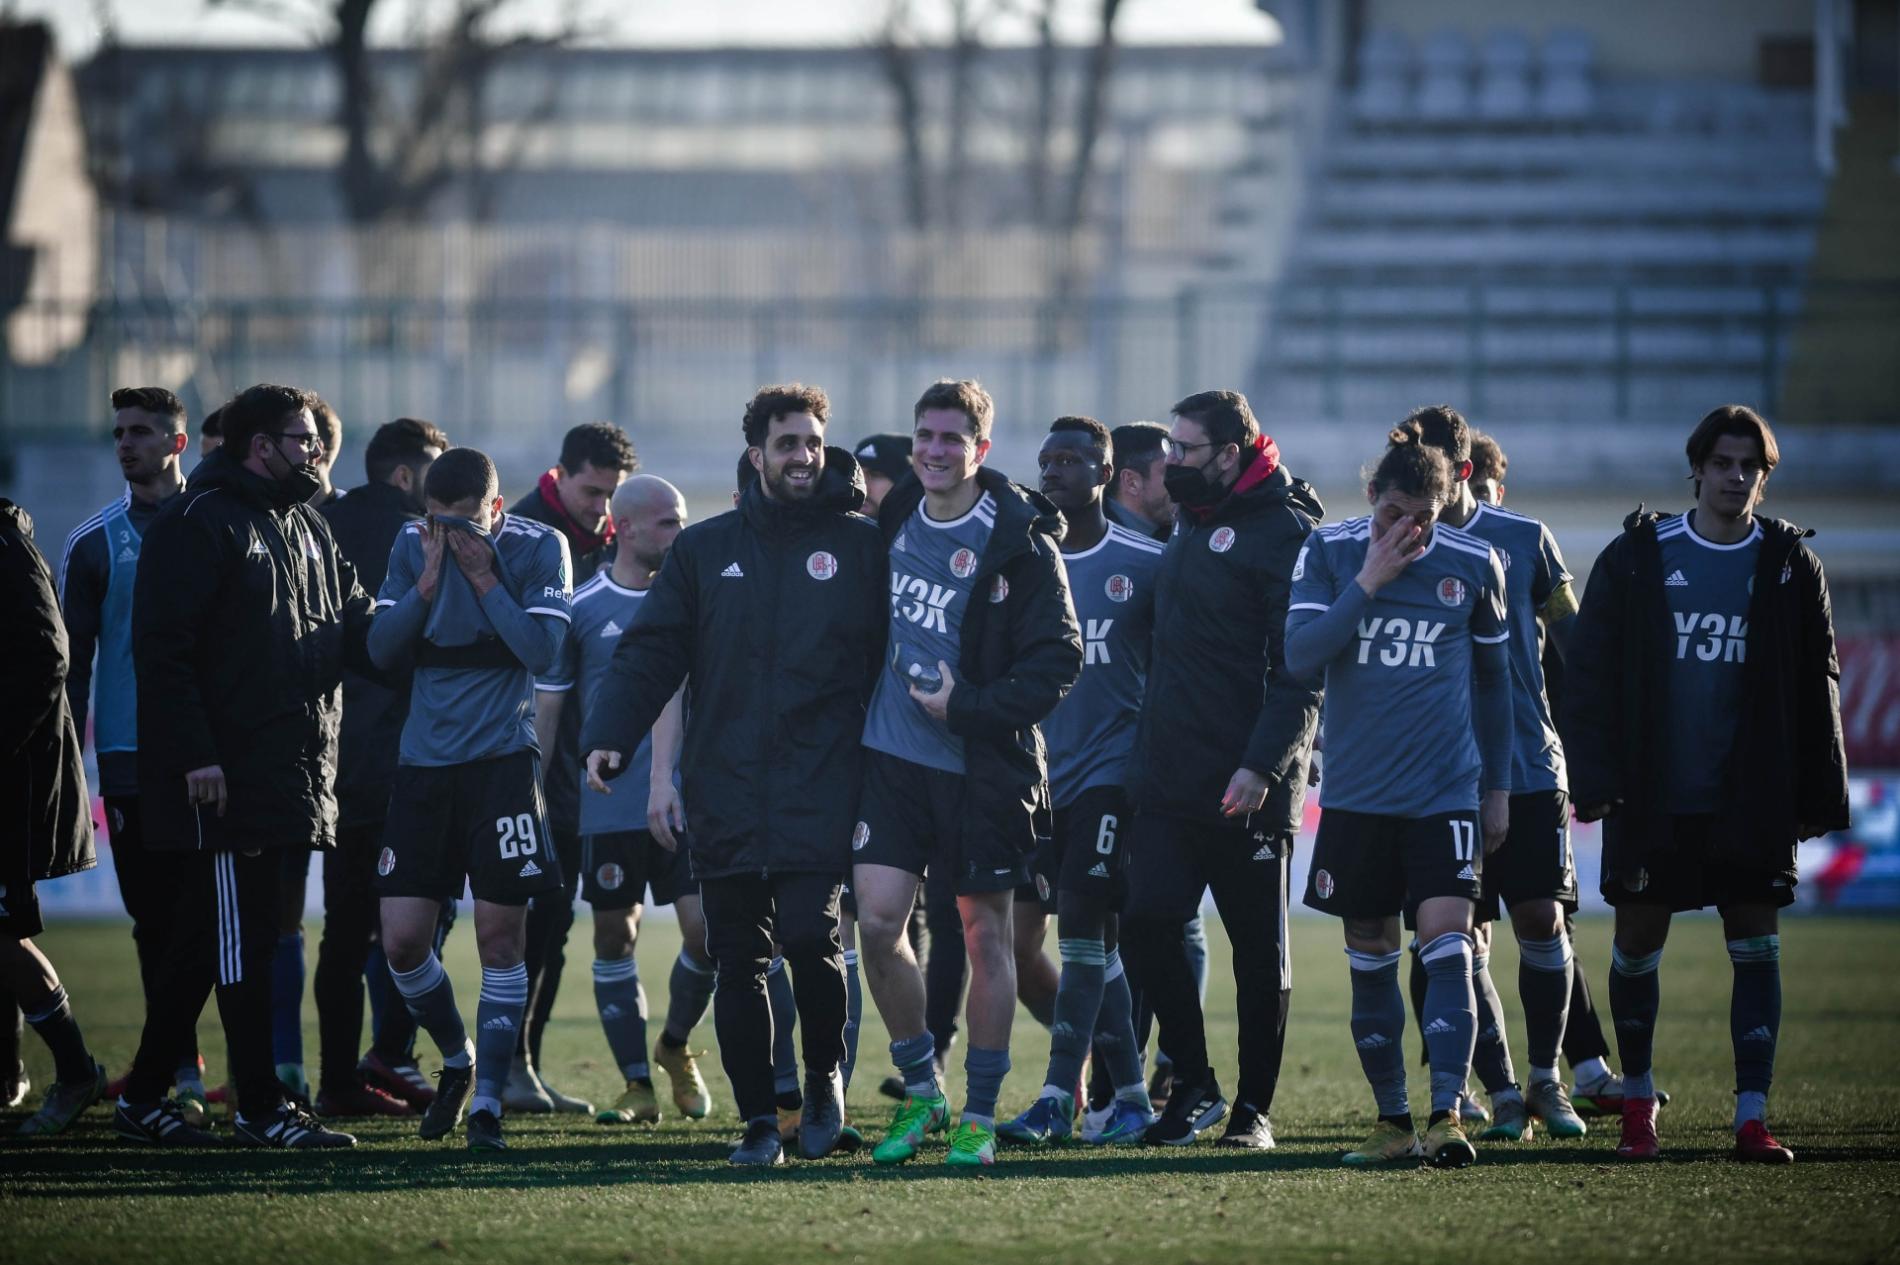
[517, 836]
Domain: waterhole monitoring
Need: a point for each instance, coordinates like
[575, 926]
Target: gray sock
[689, 991]
[430, 997]
[983, 1070]
[497, 1029]
[916, 1060]
[1451, 1016]
[853, 1014]
[1544, 985]
[1115, 1033]
[1078, 1002]
[778, 991]
[1378, 1027]
[623, 1014]
[1491, 1053]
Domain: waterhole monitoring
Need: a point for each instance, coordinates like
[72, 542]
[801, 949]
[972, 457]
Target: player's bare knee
[1742, 922]
[1537, 920]
[614, 932]
[1372, 935]
[1641, 929]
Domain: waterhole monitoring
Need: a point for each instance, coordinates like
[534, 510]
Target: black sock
[1403, 1121]
[72, 1061]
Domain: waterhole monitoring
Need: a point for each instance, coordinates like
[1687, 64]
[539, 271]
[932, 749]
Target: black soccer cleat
[1248, 1129]
[157, 1124]
[292, 1127]
[484, 1132]
[760, 1147]
[821, 1120]
[453, 1087]
[1193, 1108]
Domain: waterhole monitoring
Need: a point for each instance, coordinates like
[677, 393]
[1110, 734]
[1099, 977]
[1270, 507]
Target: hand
[1246, 792]
[1595, 812]
[666, 815]
[1494, 815]
[1389, 554]
[206, 786]
[938, 704]
[476, 559]
[596, 759]
[432, 547]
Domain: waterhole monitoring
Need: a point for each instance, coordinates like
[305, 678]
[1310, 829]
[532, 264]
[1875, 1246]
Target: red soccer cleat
[1756, 1145]
[1639, 1130]
[400, 1081]
[361, 1100]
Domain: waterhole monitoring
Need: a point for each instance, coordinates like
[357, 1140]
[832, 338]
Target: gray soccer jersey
[1092, 730]
[1398, 734]
[471, 703]
[1707, 587]
[602, 611]
[931, 568]
[1533, 570]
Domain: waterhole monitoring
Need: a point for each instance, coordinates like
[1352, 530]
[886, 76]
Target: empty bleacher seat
[1566, 89]
[1385, 68]
[1444, 84]
[1504, 77]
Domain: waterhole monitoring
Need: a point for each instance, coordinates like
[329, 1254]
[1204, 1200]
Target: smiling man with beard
[774, 616]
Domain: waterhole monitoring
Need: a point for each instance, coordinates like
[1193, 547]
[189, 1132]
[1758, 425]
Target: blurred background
[1582, 222]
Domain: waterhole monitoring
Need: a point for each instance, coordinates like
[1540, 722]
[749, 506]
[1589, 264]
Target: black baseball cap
[888, 455]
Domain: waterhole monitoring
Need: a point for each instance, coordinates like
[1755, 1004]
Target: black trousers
[350, 924]
[550, 918]
[1170, 862]
[148, 886]
[947, 966]
[744, 917]
[224, 931]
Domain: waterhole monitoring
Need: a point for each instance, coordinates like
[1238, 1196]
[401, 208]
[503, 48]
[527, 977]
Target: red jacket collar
[580, 541]
[1266, 460]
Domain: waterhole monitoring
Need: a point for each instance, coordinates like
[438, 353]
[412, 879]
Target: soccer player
[1599, 1088]
[243, 613]
[620, 856]
[1138, 498]
[210, 433]
[1220, 763]
[43, 782]
[572, 497]
[1089, 736]
[1705, 733]
[1405, 618]
[477, 603]
[1532, 874]
[983, 645]
[774, 614]
[366, 523]
[95, 587]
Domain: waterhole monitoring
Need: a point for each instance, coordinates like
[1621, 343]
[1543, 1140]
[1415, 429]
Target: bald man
[630, 839]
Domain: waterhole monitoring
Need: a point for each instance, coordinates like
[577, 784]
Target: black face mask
[297, 484]
[1190, 486]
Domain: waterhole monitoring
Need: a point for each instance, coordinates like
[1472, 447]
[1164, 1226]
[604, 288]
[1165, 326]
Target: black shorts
[617, 868]
[1368, 865]
[19, 911]
[1534, 862]
[1681, 874]
[485, 821]
[916, 819]
[1087, 854]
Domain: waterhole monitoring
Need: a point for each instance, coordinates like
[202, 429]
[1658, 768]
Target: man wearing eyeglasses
[242, 614]
[1218, 777]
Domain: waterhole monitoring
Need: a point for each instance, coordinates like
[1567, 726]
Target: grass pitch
[572, 1191]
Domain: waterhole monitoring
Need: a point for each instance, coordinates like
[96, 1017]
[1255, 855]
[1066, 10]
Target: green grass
[573, 1192]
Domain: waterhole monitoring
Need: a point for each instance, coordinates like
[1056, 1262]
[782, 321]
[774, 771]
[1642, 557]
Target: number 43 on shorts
[517, 836]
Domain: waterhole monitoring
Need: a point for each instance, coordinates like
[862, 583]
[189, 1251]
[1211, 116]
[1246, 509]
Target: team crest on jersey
[999, 590]
[386, 862]
[963, 563]
[821, 566]
[1042, 887]
[1451, 591]
[1222, 540]
[610, 876]
[1323, 883]
[860, 837]
[1119, 588]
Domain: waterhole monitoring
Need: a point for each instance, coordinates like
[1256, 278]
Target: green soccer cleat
[1550, 1102]
[971, 1146]
[1510, 1121]
[63, 1104]
[915, 1119]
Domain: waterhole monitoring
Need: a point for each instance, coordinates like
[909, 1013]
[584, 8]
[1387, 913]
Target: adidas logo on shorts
[732, 571]
[1099, 870]
[1467, 875]
[1265, 853]
[530, 870]
[1438, 1028]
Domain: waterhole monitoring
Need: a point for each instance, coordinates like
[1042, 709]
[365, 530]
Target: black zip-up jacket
[1219, 695]
[1787, 771]
[1019, 651]
[45, 810]
[561, 759]
[775, 617]
[242, 615]
[365, 523]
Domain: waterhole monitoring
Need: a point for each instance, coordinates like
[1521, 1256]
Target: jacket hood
[1278, 487]
[840, 491]
[221, 470]
[15, 518]
[1019, 510]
